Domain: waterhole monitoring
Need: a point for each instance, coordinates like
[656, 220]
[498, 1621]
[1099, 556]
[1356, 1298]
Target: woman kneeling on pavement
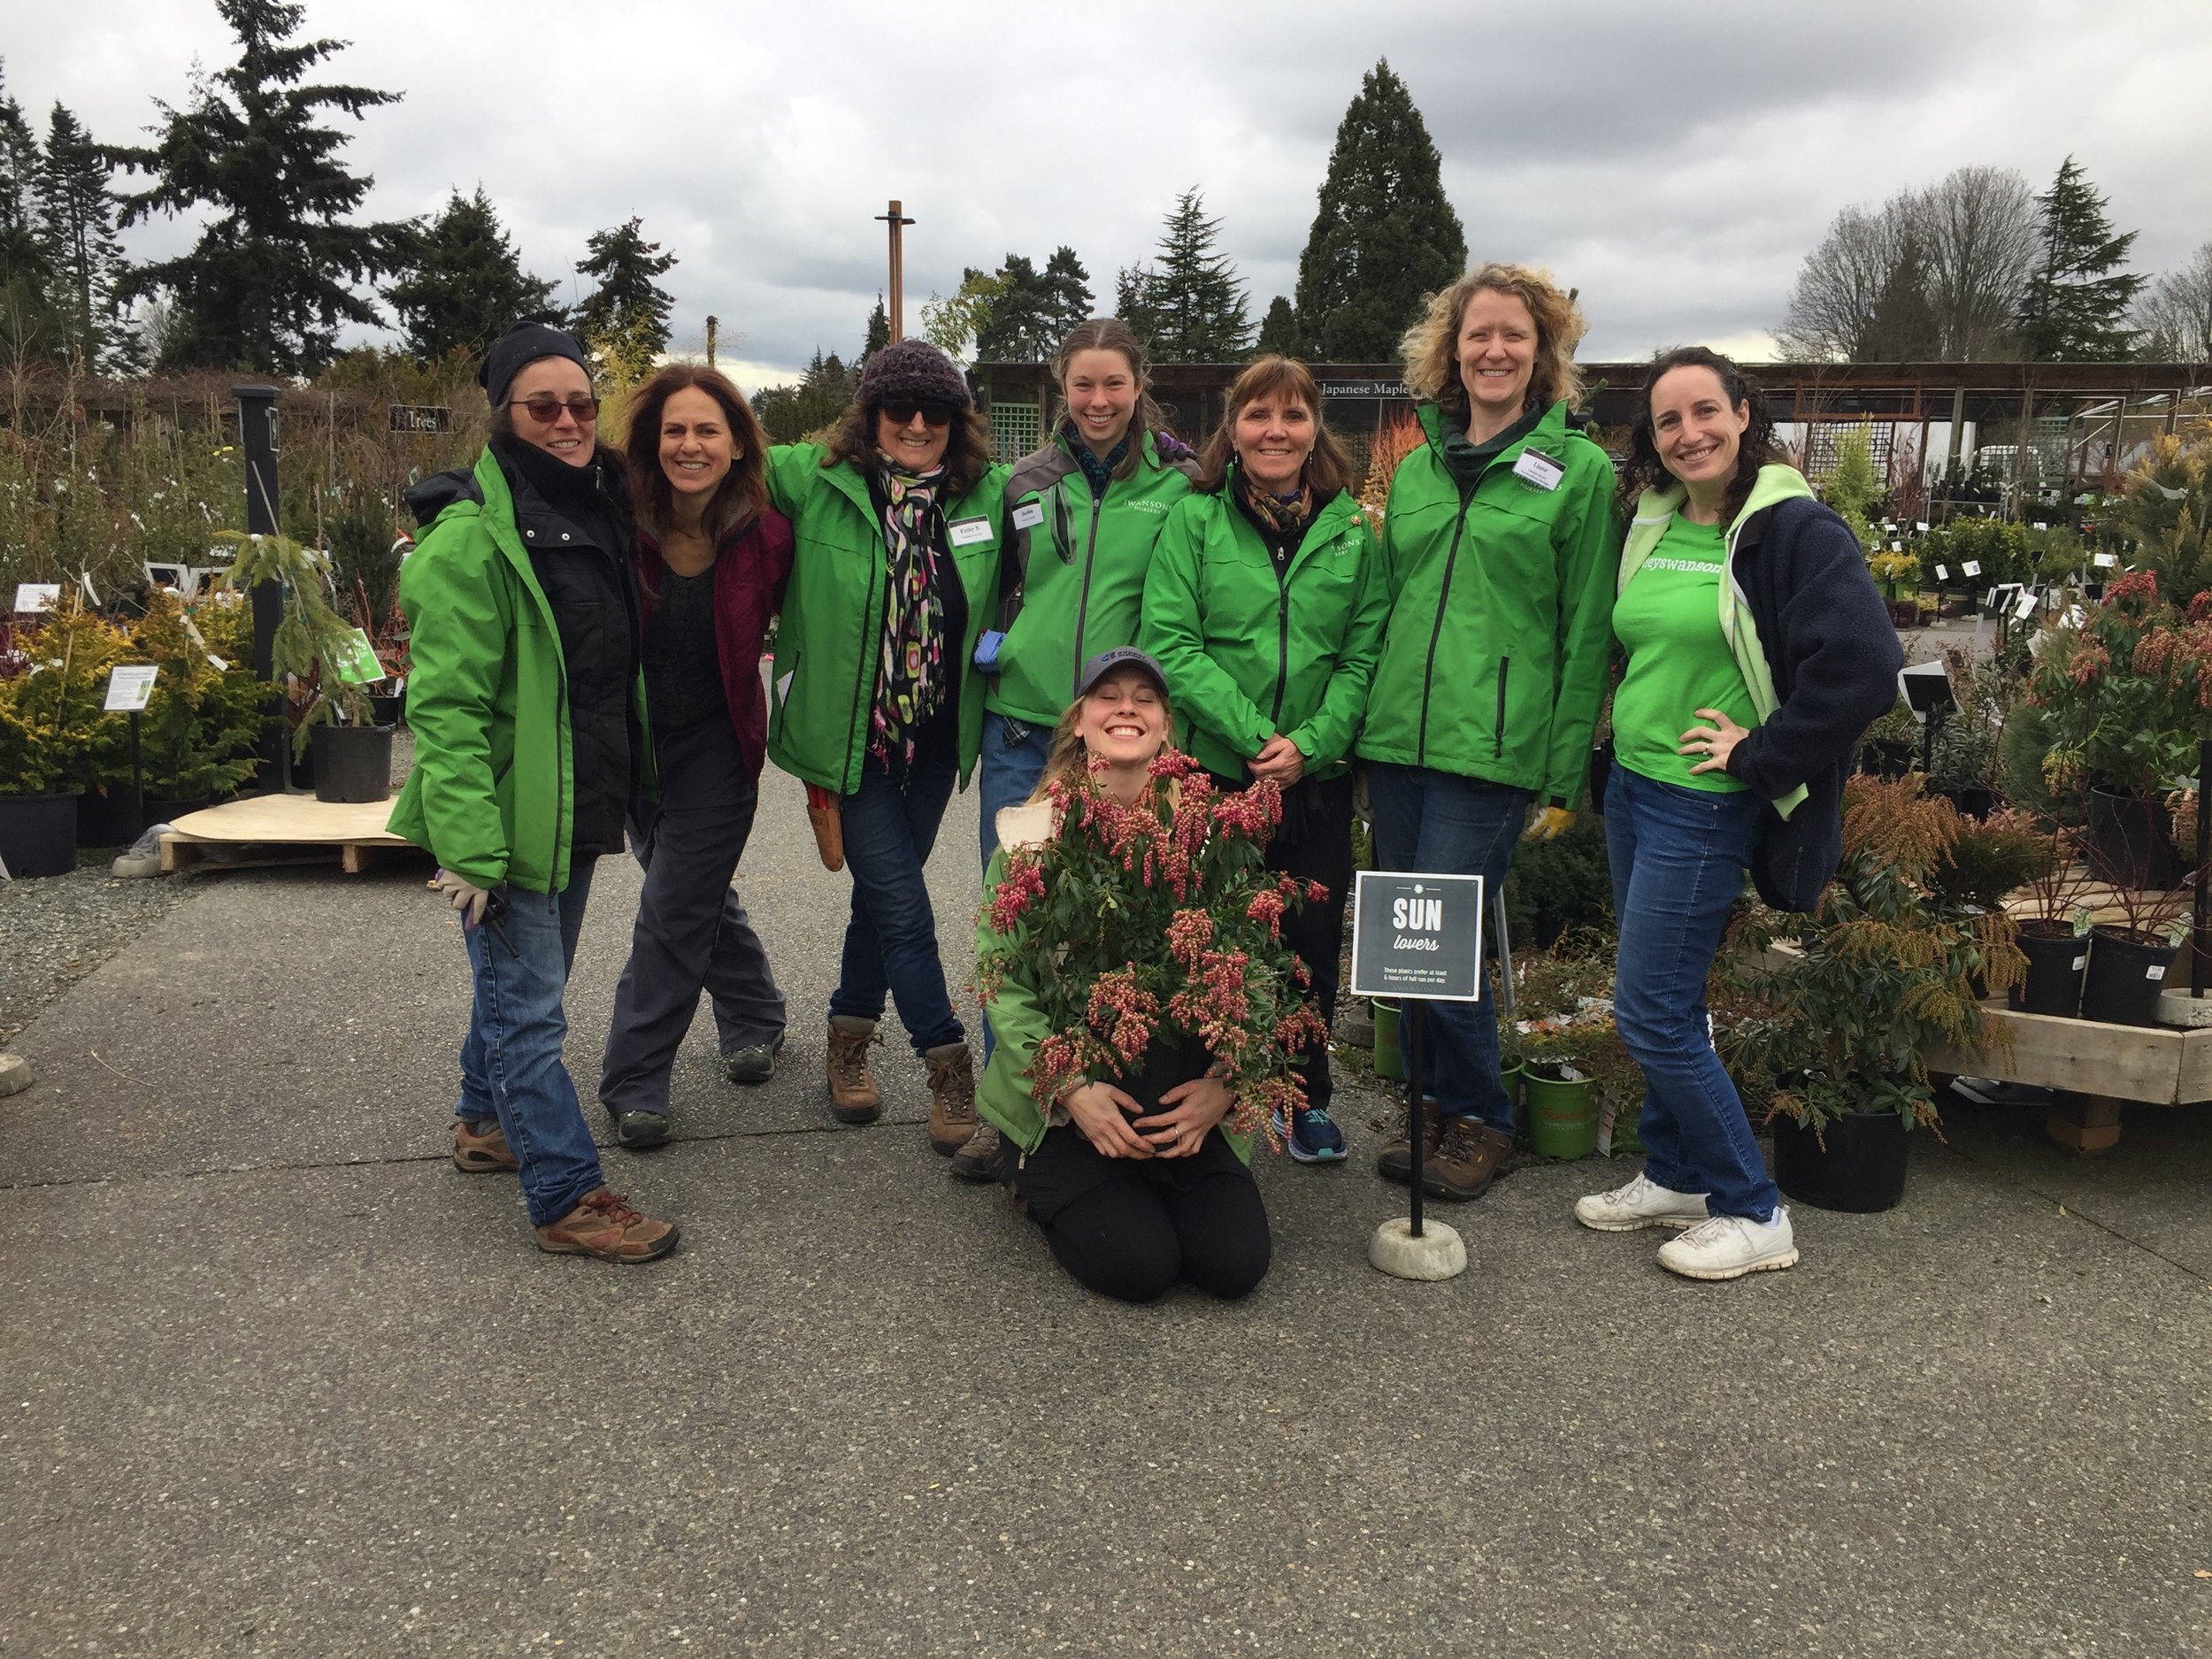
[1498, 546]
[1758, 653]
[523, 701]
[710, 562]
[1136, 1185]
[1265, 606]
[877, 701]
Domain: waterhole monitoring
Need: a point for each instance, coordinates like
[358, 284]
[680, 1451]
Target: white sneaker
[1729, 1247]
[1643, 1202]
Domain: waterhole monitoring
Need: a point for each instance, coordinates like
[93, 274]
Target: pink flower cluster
[1123, 1013]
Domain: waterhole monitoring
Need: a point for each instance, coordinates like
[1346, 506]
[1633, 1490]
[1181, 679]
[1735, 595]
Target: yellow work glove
[1547, 824]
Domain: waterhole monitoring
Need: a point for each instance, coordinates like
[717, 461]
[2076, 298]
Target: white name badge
[968, 532]
[1972, 567]
[1029, 515]
[1539, 469]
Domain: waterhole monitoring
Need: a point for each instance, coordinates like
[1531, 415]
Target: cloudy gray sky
[1675, 163]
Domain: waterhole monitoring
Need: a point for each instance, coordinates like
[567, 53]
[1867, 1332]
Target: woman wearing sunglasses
[875, 698]
[523, 635]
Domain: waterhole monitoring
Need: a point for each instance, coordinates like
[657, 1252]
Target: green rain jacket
[1501, 631]
[1249, 653]
[830, 641]
[492, 794]
[1075, 571]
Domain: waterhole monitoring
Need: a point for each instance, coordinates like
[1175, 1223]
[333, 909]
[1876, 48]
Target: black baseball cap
[1121, 656]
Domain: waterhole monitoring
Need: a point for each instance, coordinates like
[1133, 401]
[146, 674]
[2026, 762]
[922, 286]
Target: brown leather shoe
[481, 1155]
[854, 1096]
[1467, 1158]
[1394, 1162]
[604, 1225]
[988, 1156]
[951, 1098]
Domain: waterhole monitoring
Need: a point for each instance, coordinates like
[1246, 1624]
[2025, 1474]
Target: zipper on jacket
[860, 678]
[1083, 600]
[1282, 643]
[1497, 748]
[1443, 595]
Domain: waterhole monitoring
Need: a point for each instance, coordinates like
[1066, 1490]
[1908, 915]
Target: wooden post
[896, 301]
[714, 328]
[2084, 1125]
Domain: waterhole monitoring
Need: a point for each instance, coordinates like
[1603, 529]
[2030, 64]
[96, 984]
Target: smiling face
[1123, 721]
[1274, 436]
[697, 448]
[1497, 356]
[913, 443]
[1698, 433]
[1102, 392]
[565, 437]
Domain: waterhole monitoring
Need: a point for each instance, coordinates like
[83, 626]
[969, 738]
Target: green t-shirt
[1667, 620]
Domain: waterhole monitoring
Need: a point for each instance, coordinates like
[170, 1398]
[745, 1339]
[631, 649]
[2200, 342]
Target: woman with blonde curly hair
[1497, 549]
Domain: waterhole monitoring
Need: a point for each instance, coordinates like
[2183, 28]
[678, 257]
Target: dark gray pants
[692, 934]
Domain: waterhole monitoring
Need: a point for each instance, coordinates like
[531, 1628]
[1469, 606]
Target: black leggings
[1132, 1227]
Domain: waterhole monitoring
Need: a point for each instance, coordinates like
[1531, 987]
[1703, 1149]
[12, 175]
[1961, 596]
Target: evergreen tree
[26, 326]
[1134, 286]
[76, 228]
[461, 283]
[2076, 302]
[1020, 329]
[878, 331]
[788, 413]
[1194, 301]
[1278, 330]
[1384, 237]
[1067, 295]
[624, 319]
[1902, 327]
[267, 285]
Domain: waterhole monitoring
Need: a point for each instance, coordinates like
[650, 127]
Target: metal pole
[138, 783]
[2204, 857]
[896, 219]
[1410, 1031]
[257, 438]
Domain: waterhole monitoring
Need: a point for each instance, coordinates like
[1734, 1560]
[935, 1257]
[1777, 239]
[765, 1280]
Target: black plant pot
[2126, 974]
[1166, 1062]
[1975, 804]
[1856, 1163]
[108, 818]
[352, 762]
[38, 833]
[2129, 841]
[1885, 757]
[2056, 961]
[390, 711]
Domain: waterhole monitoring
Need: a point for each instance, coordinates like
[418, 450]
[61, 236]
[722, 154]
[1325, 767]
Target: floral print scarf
[911, 677]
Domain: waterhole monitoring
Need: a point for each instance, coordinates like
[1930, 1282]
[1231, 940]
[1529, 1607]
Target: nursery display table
[283, 829]
[2094, 1066]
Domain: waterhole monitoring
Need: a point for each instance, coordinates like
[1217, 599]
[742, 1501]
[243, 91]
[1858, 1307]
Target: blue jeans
[1679, 857]
[890, 825]
[1008, 771]
[511, 1060]
[1441, 822]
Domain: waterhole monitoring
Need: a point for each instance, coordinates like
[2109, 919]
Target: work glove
[829, 828]
[464, 894]
[1547, 824]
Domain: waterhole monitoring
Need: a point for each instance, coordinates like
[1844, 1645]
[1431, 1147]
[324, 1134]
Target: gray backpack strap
[1035, 473]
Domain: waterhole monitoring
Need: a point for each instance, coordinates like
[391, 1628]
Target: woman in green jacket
[522, 698]
[1265, 606]
[1497, 542]
[876, 701]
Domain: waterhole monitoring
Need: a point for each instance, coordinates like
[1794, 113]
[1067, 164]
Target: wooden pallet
[284, 829]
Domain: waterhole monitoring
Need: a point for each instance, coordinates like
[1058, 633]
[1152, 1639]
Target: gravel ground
[56, 929]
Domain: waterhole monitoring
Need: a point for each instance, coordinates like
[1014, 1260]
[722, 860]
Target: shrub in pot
[55, 681]
[1563, 1042]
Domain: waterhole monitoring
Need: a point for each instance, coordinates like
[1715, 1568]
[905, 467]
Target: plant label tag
[1972, 567]
[2107, 561]
[1943, 572]
[1029, 515]
[2025, 607]
[1539, 469]
[1897, 547]
[2155, 973]
[356, 661]
[968, 532]
[218, 663]
[130, 687]
[1920, 526]
[2080, 964]
[1416, 936]
[32, 596]
[2042, 525]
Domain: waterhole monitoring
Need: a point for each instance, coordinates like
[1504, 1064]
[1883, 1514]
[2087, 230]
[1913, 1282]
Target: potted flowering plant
[1153, 936]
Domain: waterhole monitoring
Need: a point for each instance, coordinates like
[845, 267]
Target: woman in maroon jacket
[710, 559]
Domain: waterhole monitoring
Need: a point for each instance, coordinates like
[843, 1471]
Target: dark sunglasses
[545, 409]
[935, 410]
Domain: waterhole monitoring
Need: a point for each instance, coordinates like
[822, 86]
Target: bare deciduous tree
[2175, 314]
[1978, 233]
[1841, 287]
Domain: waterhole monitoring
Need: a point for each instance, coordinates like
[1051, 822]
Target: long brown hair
[742, 493]
[1758, 446]
[1328, 468]
[1432, 345]
[1067, 754]
[967, 447]
[1110, 334]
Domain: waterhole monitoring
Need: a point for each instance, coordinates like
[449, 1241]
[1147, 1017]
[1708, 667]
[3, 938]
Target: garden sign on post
[1416, 937]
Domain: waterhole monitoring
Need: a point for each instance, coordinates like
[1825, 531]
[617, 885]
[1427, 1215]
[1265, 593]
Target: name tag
[1029, 515]
[968, 532]
[1539, 469]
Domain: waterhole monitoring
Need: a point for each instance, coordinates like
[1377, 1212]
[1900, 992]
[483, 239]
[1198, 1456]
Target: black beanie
[912, 370]
[518, 348]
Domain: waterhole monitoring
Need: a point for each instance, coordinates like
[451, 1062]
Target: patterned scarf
[1285, 515]
[1098, 473]
[911, 680]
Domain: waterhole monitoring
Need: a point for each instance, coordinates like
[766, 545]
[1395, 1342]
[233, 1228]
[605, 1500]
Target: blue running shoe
[1314, 1137]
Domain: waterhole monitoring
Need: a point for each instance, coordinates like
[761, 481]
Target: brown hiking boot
[486, 1153]
[604, 1225]
[1467, 1158]
[987, 1156]
[951, 1098]
[854, 1096]
[1394, 1162]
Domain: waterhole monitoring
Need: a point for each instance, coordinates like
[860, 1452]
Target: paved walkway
[275, 1380]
